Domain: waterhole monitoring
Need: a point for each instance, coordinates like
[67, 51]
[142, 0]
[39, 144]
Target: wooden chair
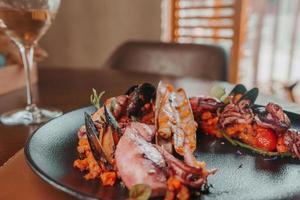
[204, 61]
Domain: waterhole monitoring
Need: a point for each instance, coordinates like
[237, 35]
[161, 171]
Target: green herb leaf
[95, 98]
[140, 192]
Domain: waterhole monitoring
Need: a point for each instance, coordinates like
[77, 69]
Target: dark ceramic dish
[51, 150]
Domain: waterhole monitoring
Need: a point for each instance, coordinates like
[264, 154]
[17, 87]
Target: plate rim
[43, 175]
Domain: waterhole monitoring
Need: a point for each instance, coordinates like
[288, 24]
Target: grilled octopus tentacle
[292, 141]
[239, 113]
[188, 175]
[200, 104]
[272, 116]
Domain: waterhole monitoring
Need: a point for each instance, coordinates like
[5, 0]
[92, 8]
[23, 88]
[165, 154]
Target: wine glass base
[29, 115]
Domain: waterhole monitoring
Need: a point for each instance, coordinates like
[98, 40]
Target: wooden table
[69, 89]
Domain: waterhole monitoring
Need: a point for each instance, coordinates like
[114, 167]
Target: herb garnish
[95, 98]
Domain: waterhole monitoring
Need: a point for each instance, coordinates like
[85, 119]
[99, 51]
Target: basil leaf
[140, 192]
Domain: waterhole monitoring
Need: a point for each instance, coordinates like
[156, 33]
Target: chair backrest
[204, 61]
[220, 22]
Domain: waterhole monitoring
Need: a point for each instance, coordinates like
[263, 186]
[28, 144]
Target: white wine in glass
[25, 26]
[25, 22]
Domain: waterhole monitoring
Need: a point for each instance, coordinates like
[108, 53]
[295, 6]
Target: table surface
[69, 89]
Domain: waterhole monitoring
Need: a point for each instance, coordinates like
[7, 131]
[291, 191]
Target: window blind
[209, 21]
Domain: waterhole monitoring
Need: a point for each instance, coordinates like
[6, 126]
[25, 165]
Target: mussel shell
[148, 91]
[141, 95]
[111, 120]
[91, 132]
[238, 89]
[250, 95]
[131, 89]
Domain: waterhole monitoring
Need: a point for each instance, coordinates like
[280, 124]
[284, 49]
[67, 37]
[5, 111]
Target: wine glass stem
[27, 59]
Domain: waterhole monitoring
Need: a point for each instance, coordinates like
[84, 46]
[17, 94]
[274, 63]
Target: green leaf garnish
[140, 192]
[95, 98]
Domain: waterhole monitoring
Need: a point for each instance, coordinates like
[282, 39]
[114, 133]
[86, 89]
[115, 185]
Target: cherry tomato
[266, 139]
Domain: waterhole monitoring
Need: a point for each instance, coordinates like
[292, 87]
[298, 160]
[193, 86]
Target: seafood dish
[262, 129]
[145, 139]
[138, 137]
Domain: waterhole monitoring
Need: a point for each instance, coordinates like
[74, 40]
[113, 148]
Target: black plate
[242, 175]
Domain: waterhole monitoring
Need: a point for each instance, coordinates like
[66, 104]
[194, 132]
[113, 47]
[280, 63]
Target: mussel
[250, 95]
[95, 144]
[138, 96]
[238, 89]
[110, 119]
[240, 93]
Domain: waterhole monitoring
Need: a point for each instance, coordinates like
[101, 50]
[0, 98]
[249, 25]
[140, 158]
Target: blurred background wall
[85, 32]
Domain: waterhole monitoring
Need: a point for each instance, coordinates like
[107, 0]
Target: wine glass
[25, 22]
